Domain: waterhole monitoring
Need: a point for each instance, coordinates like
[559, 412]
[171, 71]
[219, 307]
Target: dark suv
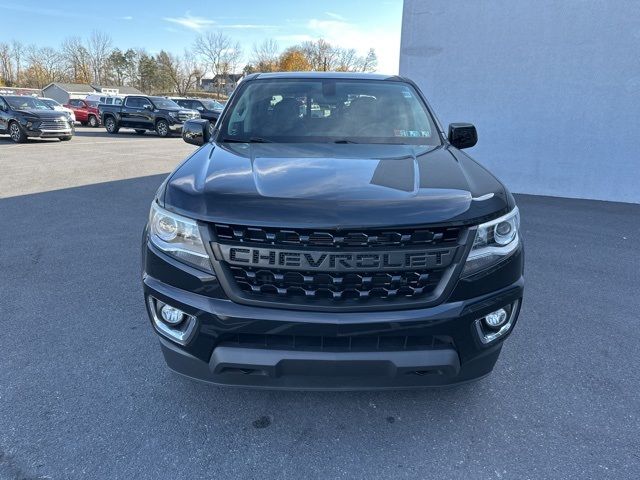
[208, 109]
[22, 117]
[331, 235]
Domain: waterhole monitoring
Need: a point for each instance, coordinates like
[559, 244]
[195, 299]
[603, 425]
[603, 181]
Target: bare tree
[46, 65]
[220, 54]
[182, 72]
[370, 62]
[265, 56]
[7, 72]
[78, 60]
[17, 51]
[99, 50]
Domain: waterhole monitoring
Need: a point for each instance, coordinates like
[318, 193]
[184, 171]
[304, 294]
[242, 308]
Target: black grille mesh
[335, 286]
[345, 343]
[337, 239]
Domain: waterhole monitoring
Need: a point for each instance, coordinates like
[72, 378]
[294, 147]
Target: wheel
[65, 139]
[111, 125]
[141, 132]
[93, 121]
[162, 128]
[16, 133]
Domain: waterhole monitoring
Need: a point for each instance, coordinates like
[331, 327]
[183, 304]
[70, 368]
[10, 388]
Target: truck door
[4, 115]
[131, 112]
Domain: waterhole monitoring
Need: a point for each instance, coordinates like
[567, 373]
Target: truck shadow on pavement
[82, 368]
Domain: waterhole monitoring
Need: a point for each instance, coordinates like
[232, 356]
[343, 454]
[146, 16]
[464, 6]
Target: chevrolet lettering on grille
[337, 261]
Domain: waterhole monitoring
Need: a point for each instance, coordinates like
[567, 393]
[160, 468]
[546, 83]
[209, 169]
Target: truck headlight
[177, 236]
[494, 241]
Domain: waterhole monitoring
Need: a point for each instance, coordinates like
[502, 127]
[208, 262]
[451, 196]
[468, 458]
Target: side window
[109, 101]
[3, 105]
[117, 101]
[133, 102]
[195, 105]
[144, 102]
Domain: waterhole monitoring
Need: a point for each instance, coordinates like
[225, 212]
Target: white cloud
[193, 23]
[128, 17]
[248, 26]
[335, 16]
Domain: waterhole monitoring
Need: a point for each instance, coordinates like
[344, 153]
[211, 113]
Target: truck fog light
[171, 322]
[171, 315]
[494, 319]
[496, 324]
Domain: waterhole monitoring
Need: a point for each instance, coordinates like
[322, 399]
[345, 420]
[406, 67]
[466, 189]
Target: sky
[173, 26]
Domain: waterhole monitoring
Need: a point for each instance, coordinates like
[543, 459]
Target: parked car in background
[85, 112]
[22, 117]
[144, 113]
[208, 109]
[61, 108]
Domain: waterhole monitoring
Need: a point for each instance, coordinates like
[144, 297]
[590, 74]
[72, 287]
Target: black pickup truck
[144, 113]
[356, 248]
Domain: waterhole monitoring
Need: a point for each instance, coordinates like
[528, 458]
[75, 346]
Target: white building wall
[552, 86]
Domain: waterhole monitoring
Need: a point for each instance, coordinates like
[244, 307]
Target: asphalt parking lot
[85, 394]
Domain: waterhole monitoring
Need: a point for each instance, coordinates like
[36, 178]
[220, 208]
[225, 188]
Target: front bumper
[176, 127]
[43, 133]
[458, 356]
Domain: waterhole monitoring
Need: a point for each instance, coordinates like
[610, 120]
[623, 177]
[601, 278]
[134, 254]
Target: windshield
[331, 110]
[27, 103]
[160, 102]
[49, 102]
[212, 105]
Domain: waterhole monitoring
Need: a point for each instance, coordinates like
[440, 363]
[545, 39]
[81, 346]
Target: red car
[86, 112]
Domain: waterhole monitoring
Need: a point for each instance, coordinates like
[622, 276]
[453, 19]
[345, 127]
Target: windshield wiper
[344, 140]
[250, 140]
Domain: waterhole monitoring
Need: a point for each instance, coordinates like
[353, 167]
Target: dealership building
[552, 87]
[63, 92]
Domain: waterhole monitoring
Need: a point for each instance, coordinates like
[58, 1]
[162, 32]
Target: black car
[22, 117]
[209, 109]
[143, 113]
[360, 248]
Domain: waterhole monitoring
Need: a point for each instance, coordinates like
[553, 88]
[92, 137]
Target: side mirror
[462, 135]
[196, 131]
[148, 107]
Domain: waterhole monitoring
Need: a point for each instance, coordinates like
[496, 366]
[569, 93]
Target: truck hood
[332, 186]
[41, 114]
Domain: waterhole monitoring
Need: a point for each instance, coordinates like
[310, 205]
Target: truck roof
[321, 75]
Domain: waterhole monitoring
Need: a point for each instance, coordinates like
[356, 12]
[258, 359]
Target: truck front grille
[54, 125]
[336, 269]
[184, 116]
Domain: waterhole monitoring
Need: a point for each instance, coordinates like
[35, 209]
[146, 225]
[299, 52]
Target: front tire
[16, 133]
[93, 121]
[111, 125]
[162, 128]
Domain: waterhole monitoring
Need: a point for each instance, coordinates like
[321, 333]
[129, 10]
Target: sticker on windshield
[411, 133]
